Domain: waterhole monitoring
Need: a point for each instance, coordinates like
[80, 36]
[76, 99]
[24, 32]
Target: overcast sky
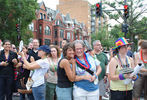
[52, 3]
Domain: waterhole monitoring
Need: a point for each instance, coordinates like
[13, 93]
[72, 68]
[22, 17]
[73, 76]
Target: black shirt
[9, 69]
[33, 54]
[63, 81]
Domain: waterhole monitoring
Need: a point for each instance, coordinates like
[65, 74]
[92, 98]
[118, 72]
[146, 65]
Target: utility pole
[126, 15]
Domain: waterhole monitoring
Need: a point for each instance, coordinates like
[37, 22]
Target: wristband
[95, 75]
[121, 77]
[136, 78]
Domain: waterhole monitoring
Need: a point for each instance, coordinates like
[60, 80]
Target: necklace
[141, 55]
[80, 63]
[122, 65]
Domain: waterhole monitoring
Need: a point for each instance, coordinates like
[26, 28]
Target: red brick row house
[50, 27]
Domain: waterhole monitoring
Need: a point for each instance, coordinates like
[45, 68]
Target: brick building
[51, 26]
[78, 9]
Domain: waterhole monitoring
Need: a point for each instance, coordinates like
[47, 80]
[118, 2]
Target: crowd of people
[72, 72]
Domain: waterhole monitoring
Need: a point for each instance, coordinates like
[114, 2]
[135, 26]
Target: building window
[40, 29]
[57, 22]
[41, 16]
[61, 33]
[47, 41]
[60, 44]
[40, 41]
[44, 16]
[31, 26]
[47, 30]
[56, 33]
[80, 37]
[68, 35]
[72, 36]
[56, 42]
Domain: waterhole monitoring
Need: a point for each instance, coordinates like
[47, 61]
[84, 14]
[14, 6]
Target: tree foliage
[104, 36]
[137, 21]
[14, 12]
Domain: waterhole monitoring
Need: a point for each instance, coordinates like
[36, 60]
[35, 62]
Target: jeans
[6, 86]
[39, 92]
[64, 93]
[30, 96]
[50, 91]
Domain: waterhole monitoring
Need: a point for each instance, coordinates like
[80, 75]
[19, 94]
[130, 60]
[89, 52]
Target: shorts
[81, 94]
[139, 86]
[102, 88]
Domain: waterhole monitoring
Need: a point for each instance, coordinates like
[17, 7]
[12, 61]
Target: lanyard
[123, 66]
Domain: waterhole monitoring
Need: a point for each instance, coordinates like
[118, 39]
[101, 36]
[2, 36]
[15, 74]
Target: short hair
[66, 47]
[6, 41]
[78, 41]
[66, 40]
[58, 50]
[36, 39]
[94, 42]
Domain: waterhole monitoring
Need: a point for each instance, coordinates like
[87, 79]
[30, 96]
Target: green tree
[14, 12]
[136, 10]
[104, 36]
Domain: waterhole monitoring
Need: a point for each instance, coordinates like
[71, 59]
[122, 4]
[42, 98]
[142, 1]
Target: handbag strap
[88, 70]
[31, 74]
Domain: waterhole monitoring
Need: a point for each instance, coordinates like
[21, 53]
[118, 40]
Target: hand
[22, 83]
[46, 75]
[14, 61]
[21, 54]
[3, 63]
[134, 77]
[105, 79]
[24, 66]
[93, 78]
[127, 76]
[19, 64]
[32, 59]
[72, 61]
[88, 77]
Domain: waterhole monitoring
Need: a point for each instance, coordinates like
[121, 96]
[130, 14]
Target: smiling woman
[66, 73]
[8, 59]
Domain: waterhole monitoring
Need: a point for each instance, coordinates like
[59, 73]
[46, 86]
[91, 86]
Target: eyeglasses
[7, 44]
[78, 48]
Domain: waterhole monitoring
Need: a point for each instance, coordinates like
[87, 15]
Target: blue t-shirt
[86, 84]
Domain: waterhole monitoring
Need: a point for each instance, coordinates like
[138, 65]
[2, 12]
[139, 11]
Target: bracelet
[136, 78]
[121, 77]
[95, 75]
